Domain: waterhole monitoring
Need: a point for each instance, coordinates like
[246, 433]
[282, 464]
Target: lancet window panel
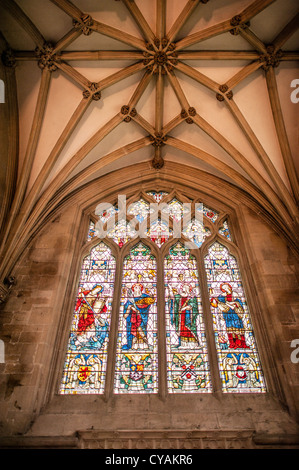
[86, 359]
[137, 348]
[238, 359]
[187, 356]
[165, 291]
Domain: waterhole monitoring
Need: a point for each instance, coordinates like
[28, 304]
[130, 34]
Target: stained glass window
[137, 349]
[183, 230]
[121, 233]
[159, 232]
[86, 360]
[196, 232]
[175, 209]
[157, 195]
[140, 209]
[91, 231]
[239, 363]
[209, 213]
[187, 357]
[106, 214]
[224, 230]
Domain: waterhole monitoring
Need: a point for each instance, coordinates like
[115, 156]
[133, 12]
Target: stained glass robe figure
[136, 313]
[183, 315]
[232, 311]
[92, 328]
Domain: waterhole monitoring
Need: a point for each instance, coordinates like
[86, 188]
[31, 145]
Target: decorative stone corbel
[8, 58]
[5, 288]
[157, 161]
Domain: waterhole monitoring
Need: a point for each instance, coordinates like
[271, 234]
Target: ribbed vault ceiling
[103, 85]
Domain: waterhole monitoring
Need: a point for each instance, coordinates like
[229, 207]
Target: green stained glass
[137, 348]
[238, 359]
[187, 357]
[86, 359]
[136, 365]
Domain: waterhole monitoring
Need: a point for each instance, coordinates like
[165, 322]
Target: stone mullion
[161, 328]
[114, 324]
[208, 322]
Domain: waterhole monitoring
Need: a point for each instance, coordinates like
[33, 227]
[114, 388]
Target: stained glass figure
[91, 231]
[106, 214]
[121, 233]
[157, 195]
[239, 363]
[159, 232]
[175, 209]
[224, 230]
[137, 353]
[86, 359]
[140, 209]
[196, 232]
[187, 358]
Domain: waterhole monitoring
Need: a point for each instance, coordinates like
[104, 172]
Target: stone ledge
[165, 439]
[158, 439]
[39, 442]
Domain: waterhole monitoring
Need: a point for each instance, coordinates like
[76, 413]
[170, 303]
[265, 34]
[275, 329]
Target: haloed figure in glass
[232, 311]
[92, 328]
[183, 314]
[136, 311]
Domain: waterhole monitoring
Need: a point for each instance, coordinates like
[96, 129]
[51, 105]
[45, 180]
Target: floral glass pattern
[187, 357]
[86, 359]
[239, 363]
[137, 348]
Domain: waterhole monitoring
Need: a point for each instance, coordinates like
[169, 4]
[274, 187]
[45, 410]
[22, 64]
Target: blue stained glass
[239, 364]
[137, 348]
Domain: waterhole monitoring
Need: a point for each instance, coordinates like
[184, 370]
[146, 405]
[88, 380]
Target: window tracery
[193, 277]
